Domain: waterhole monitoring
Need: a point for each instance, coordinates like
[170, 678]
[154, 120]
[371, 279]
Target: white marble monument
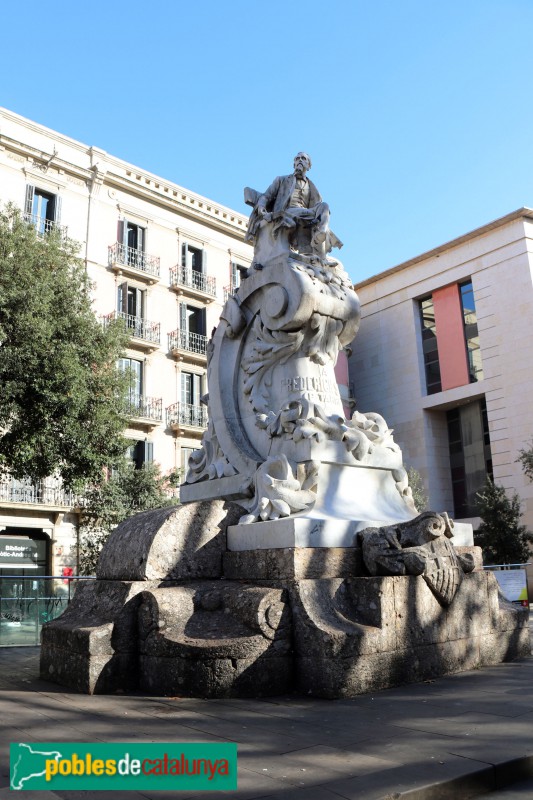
[278, 443]
[320, 576]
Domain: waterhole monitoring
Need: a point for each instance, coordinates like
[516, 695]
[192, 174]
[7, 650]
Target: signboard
[513, 583]
[18, 552]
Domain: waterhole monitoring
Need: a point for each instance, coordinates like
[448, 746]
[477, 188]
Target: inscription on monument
[316, 388]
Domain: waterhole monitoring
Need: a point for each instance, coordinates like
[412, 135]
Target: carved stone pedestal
[196, 619]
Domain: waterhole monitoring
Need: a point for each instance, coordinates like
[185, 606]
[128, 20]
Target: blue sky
[418, 114]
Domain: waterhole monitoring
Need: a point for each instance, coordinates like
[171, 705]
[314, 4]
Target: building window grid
[429, 339]
[429, 346]
[475, 367]
[466, 482]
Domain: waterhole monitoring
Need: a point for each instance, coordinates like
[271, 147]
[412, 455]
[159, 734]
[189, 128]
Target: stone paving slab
[457, 737]
[519, 791]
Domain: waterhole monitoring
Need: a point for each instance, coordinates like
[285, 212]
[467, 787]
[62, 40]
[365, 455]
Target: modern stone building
[162, 258]
[445, 354]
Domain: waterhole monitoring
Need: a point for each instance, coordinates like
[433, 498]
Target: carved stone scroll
[418, 547]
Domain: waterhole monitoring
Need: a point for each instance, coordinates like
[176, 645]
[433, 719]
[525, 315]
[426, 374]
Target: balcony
[129, 261]
[145, 411]
[189, 281]
[144, 333]
[48, 493]
[44, 226]
[184, 344]
[228, 291]
[186, 418]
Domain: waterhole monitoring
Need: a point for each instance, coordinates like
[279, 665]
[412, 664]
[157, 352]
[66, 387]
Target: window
[194, 258]
[135, 369]
[429, 346]
[473, 351]
[238, 273]
[131, 303]
[185, 454]
[190, 388]
[140, 453]
[191, 411]
[192, 319]
[132, 237]
[42, 209]
[470, 455]
[194, 267]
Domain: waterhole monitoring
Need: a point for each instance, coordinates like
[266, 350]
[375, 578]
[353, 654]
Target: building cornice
[520, 213]
[122, 175]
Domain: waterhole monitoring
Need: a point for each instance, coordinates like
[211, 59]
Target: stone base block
[197, 619]
[349, 676]
[215, 639]
[363, 634]
[92, 647]
[261, 676]
[178, 543]
[89, 673]
[293, 563]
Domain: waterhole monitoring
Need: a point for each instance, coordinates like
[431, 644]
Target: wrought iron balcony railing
[228, 291]
[43, 225]
[187, 414]
[139, 328]
[185, 340]
[49, 492]
[145, 407]
[185, 276]
[131, 257]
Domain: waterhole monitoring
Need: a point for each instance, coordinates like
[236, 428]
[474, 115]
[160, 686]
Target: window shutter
[183, 318]
[196, 390]
[148, 452]
[122, 232]
[201, 322]
[140, 239]
[28, 204]
[234, 275]
[137, 377]
[204, 262]
[184, 251]
[57, 209]
[123, 298]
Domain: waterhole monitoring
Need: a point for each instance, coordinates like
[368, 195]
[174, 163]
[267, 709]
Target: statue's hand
[267, 216]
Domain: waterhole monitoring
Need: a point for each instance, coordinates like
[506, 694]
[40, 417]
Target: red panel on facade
[450, 337]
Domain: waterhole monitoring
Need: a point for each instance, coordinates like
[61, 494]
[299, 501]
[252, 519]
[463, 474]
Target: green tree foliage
[62, 398]
[501, 536]
[127, 491]
[420, 497]
[525, 457]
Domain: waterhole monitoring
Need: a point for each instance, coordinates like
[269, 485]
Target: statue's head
[302, 162]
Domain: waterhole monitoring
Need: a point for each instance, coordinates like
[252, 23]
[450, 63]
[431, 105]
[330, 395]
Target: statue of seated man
[292, 202]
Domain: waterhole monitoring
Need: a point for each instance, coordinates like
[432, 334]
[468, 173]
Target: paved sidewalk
[456, 737]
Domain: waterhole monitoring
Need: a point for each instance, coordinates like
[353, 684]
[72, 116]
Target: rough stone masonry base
[206, 622]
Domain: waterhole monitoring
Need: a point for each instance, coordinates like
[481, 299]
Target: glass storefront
[28, 597]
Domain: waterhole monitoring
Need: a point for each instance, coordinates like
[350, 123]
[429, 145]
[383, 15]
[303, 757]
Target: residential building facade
[161, 258]
[445, 354]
